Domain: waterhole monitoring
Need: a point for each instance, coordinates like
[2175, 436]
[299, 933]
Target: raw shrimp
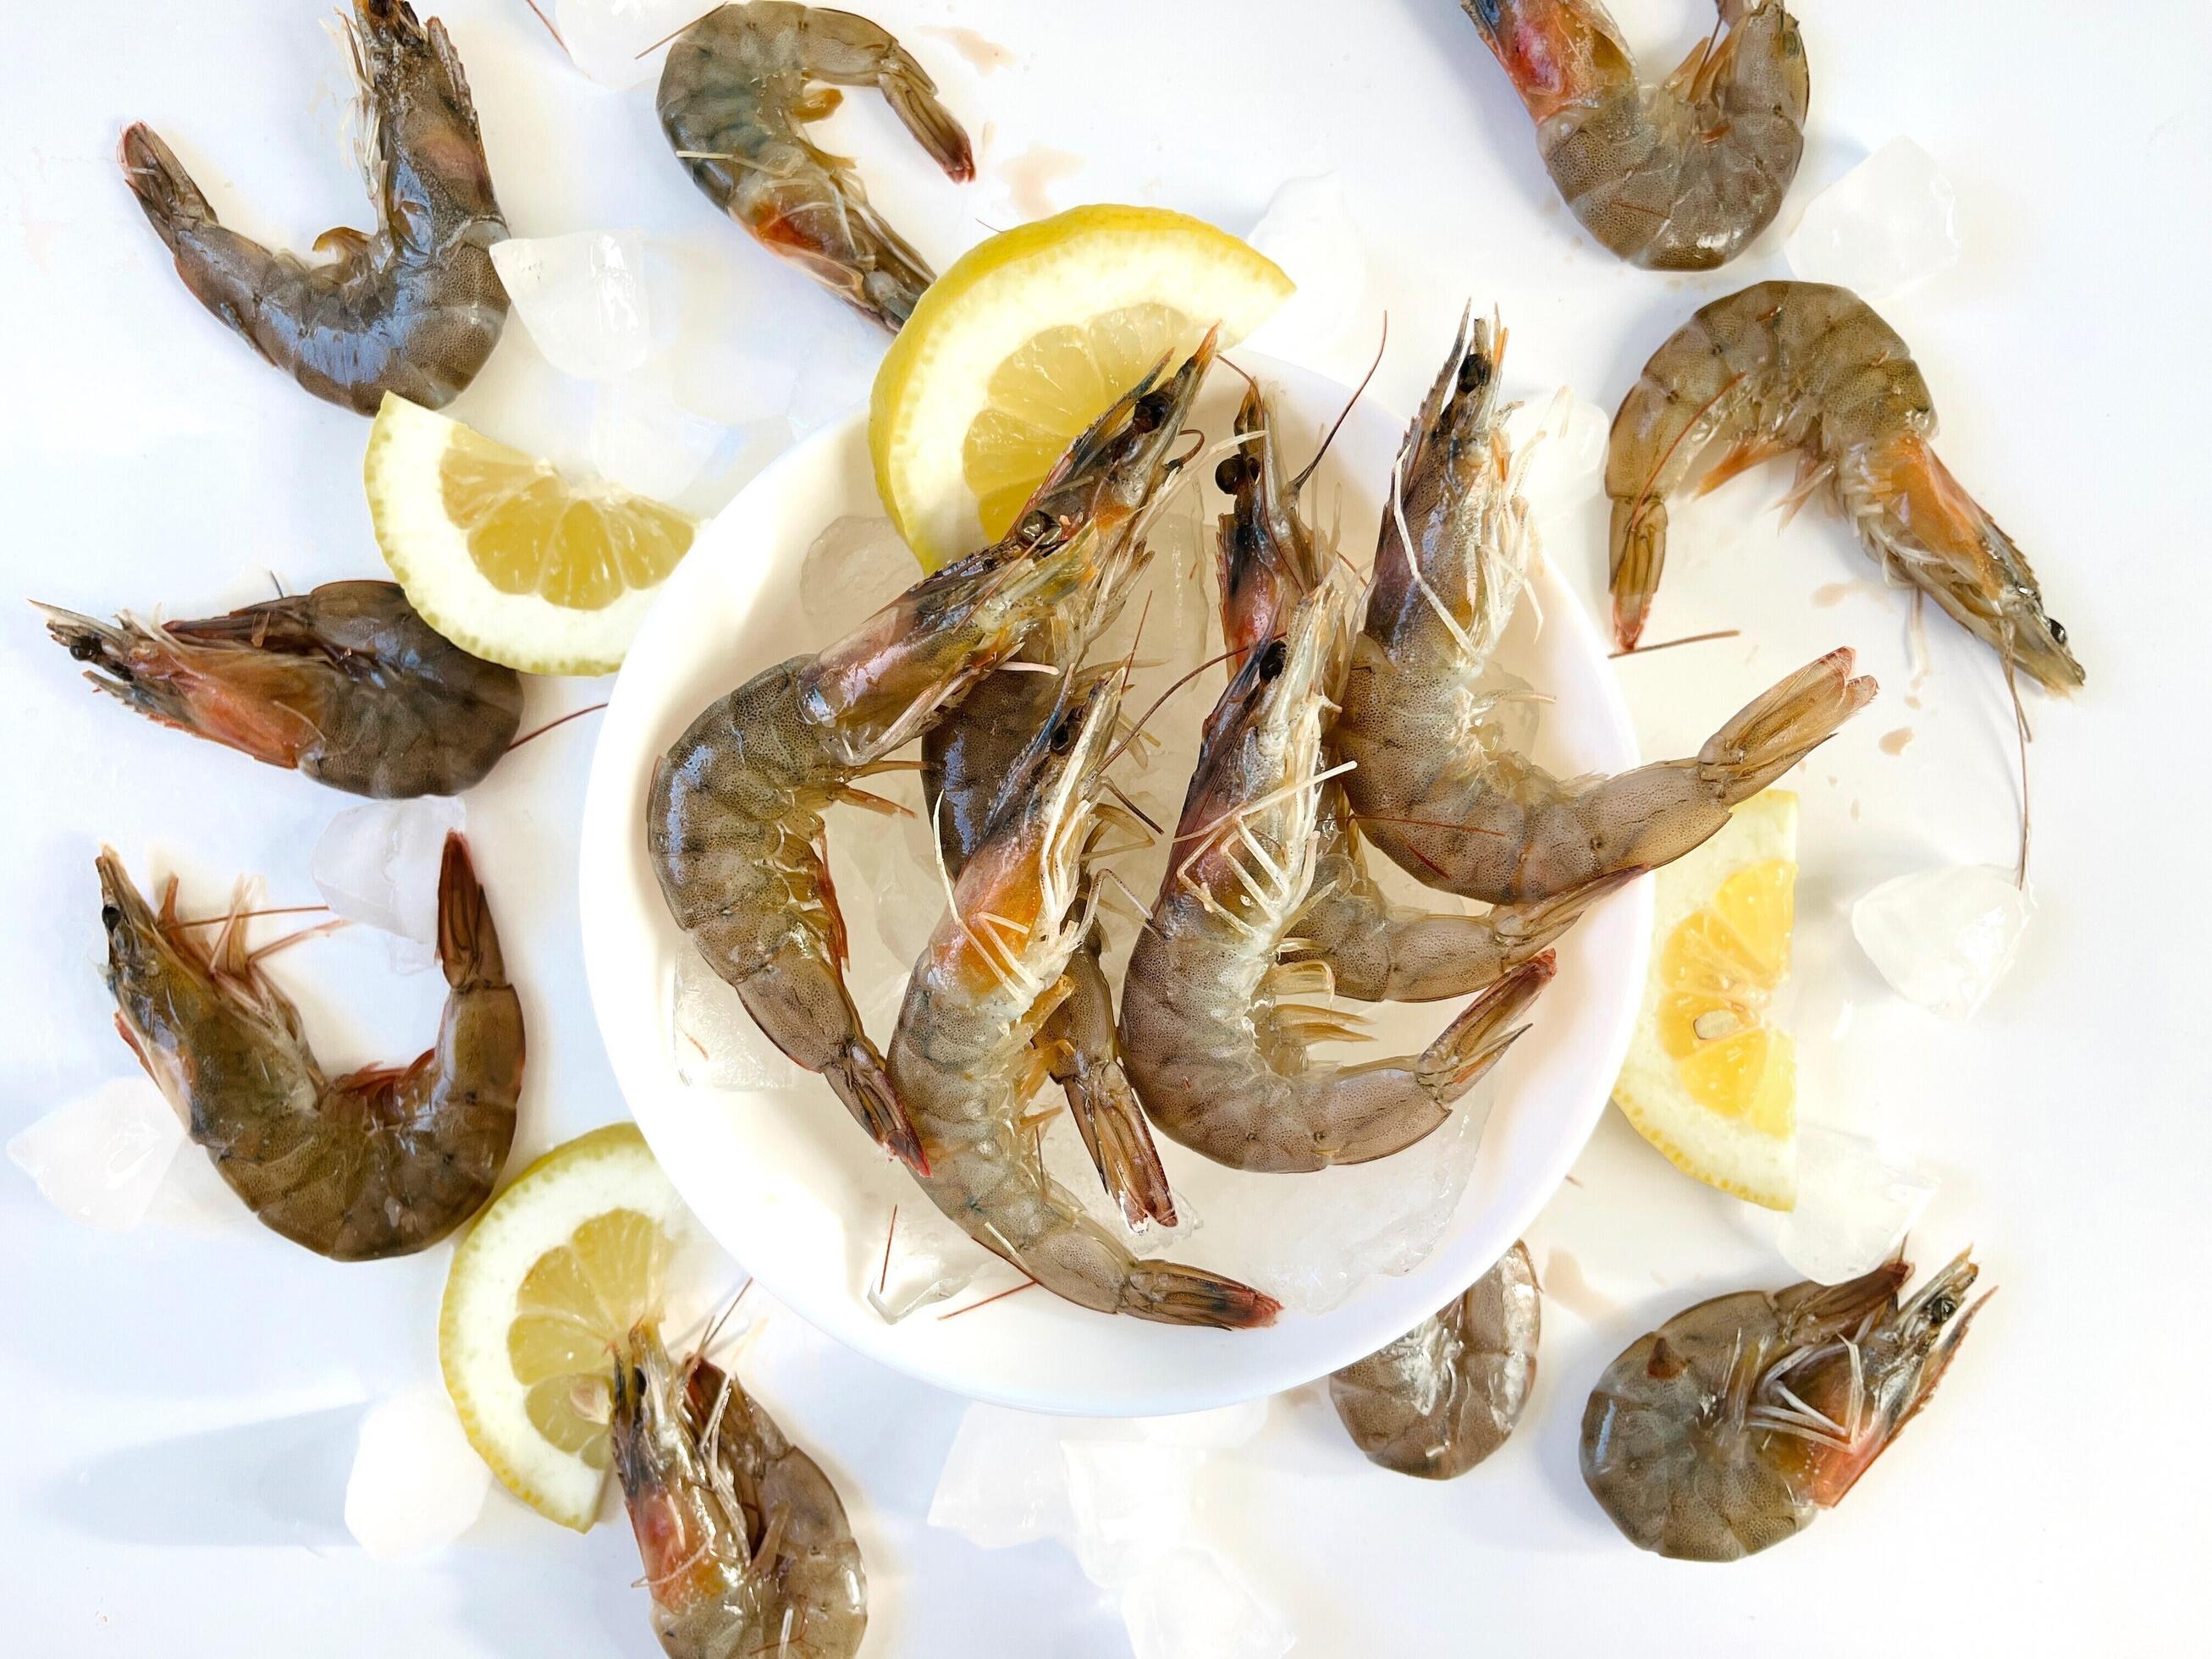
[1376, 949]
[1735, 1423]
[1805, 367]
[1676, 177]
[380, 1163]
[991, 976]
[1438, 787]
[734, 96]
[746, 1547]
[412, 310]
[346, 682]
[1446, 1395]
[733, 821]
[1217, 1056]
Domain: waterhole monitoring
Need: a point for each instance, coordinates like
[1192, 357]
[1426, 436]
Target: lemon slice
[1709, 1079]
[1025, 341]
[560, 1267]
[505, 557]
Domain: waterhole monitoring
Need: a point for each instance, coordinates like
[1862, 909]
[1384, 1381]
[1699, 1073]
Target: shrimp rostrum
[746, 1547]
[1442, 1397]
[990, 979]
[414, 309]
[1735, 1424]
[1217, 1044]
[736, 93]
[1804, 367]
[1678, 176]
[733, 820]
[382, 1161]
[346, 683]
[1438, 786]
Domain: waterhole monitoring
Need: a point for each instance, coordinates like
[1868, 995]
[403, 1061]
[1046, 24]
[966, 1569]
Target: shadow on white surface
[279, 1482]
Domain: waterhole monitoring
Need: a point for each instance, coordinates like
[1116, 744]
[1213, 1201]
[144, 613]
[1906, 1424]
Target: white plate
[788, 1184]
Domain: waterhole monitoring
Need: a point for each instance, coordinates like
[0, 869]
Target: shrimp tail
[912, 95]
[1114, 1133]
[1169, 1293]
[468, 944]
[165, 191]
[1531, 925]
[1638, 555]
[1782, 725]
[859, 1079]
[1477, 1039]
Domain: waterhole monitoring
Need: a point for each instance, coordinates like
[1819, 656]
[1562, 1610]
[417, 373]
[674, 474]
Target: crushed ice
[99, 1158]
[416, 1483]
[378, 864]
[1889, 222]
[1855, 1205]
[1943, 938]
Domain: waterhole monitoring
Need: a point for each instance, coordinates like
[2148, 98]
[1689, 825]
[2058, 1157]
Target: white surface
[781, 1177]
[183, 1398]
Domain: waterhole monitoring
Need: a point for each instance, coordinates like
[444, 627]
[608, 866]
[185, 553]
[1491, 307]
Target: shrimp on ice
[413, 310]
[1376, 949]
[1218, 1054]
[382, 1162]
[746, 1547]
[1446, 1395]
[992, 975]
[1803, 367]
[1676, 177]
[1438, 787]
[735, 93]
[733, 821]
[346, 682]
[1735, 1424]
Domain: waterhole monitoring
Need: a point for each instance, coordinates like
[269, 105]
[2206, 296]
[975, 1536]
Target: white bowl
[791, 1188]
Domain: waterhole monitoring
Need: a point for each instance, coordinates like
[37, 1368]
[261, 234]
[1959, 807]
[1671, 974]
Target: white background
[182, 1400]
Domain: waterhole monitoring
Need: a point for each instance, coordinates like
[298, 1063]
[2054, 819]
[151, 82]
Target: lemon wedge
[1026, 341]
[505, 557]
[557, 1270]
[1709, 1079]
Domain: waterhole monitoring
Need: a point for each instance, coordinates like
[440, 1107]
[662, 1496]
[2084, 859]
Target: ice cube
[643, 439]
[926, 1259]
[1890, 222]
[1005, 1481]
[1564, 440]
[377, 864]
[1943, 938]
[99, 1158]
[1068, 1162]
[582, 297]
[853, 568]
[1330, 322]
[1130, 1502]
[612, 41]
[416, 1483]
[715, 1043]
[1853, 1206]
[1191, 1604]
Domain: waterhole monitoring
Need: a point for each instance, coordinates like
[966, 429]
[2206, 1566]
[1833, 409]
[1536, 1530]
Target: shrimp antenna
[1299, 482]
[2020, 726]
[1131, 736]
[556, 33]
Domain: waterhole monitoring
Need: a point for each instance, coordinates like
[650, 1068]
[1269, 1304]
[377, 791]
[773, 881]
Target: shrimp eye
[88, 650]
[1940, 1307]
[1229, 476]
[2057, 630]
[110, 917]
[1489, 11]
[1271, 664]
[1474, 372]
[1036, 526]
[1151, 409]
[1063, 736]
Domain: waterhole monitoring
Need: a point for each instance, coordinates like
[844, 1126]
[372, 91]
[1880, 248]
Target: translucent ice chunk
[1005, 1481]
[613, 40]
[1943, 938]
[643, 439]
[1190, 1604]
[895, 860]
[925, 1260]
[1067, 1162]
[715, 1043]
[1329, 321]
[377, 864]
[855, 568]
[99, 1158]
[1565, 438]
[1130, 1501]
[1890, 222]
[1853, 1206]
[416, 1482]
[582, 297]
